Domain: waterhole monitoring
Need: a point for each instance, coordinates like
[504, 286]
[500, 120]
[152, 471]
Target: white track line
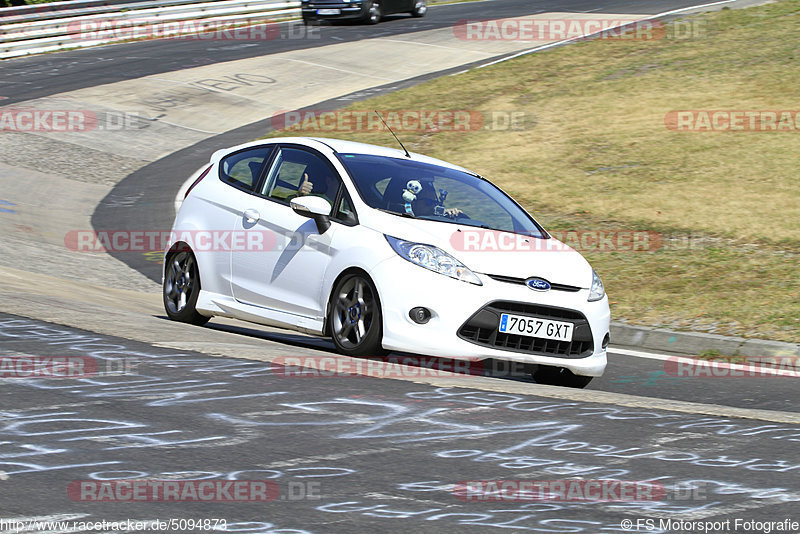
[721, 367]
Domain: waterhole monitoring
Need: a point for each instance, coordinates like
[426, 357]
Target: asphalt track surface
[357, 454]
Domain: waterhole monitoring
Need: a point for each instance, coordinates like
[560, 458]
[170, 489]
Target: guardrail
[96, 22]
[75, 8]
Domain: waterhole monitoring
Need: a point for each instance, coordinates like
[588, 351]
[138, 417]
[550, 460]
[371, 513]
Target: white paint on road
[721, 366]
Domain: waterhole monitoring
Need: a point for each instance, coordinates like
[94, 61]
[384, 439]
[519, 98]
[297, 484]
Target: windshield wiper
[401, 214]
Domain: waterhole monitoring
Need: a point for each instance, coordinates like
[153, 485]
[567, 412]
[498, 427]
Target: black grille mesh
[481, 329]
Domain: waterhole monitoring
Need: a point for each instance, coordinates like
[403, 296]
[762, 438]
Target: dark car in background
[366, 11]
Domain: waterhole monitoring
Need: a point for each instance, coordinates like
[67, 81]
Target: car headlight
[434, 259]
[597, 291]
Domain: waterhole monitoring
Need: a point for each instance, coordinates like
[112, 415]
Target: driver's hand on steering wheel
[305, 186]
[452, 212]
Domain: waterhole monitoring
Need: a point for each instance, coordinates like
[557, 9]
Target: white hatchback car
[382, 250]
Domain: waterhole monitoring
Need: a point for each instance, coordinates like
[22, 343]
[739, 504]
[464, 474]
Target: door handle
[251, 215]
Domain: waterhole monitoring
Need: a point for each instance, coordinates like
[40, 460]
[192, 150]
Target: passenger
[427, 202]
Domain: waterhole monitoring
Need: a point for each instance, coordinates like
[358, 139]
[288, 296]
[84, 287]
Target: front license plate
[535, 327]
[329, 12]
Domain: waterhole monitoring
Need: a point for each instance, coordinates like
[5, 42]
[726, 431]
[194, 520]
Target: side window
[297, 172]
[344, 211]
[242, 168]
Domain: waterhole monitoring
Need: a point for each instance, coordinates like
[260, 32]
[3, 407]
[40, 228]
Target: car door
[287, 278]
[396, 6]
[241, 171]
[407, 5]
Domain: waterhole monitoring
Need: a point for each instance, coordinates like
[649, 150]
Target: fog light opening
[420, 315]
[606, 340]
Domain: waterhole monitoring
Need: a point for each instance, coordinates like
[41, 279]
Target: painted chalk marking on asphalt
[7, 203]
[390, 422]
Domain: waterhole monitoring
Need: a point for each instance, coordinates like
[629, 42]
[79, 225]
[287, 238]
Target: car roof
[345, 147]
[353, 147]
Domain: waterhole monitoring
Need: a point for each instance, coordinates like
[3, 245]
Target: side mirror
[316, 208]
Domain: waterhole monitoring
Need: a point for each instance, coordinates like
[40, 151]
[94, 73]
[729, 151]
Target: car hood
[494, 252]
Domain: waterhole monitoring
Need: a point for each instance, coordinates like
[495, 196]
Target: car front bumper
[453, 304]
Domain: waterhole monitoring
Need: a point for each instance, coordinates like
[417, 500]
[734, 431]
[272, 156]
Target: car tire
[355, 320]
[182, 287]
[420, 8]
[308, 20]
[559, 376]
[374, 13]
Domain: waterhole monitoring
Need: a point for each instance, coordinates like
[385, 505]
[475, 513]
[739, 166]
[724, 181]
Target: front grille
[521, 281]
[481, 329]
[328, 4]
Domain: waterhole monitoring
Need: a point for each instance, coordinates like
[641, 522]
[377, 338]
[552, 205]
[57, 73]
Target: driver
[305, 186]
[428, 201]
[324, 185]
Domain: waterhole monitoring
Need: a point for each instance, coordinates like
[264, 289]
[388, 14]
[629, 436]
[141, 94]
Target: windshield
[430, 192]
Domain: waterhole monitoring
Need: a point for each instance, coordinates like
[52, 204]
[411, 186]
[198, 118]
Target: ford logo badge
[537, 284]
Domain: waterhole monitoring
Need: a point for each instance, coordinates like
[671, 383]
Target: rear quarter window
[243, 168]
